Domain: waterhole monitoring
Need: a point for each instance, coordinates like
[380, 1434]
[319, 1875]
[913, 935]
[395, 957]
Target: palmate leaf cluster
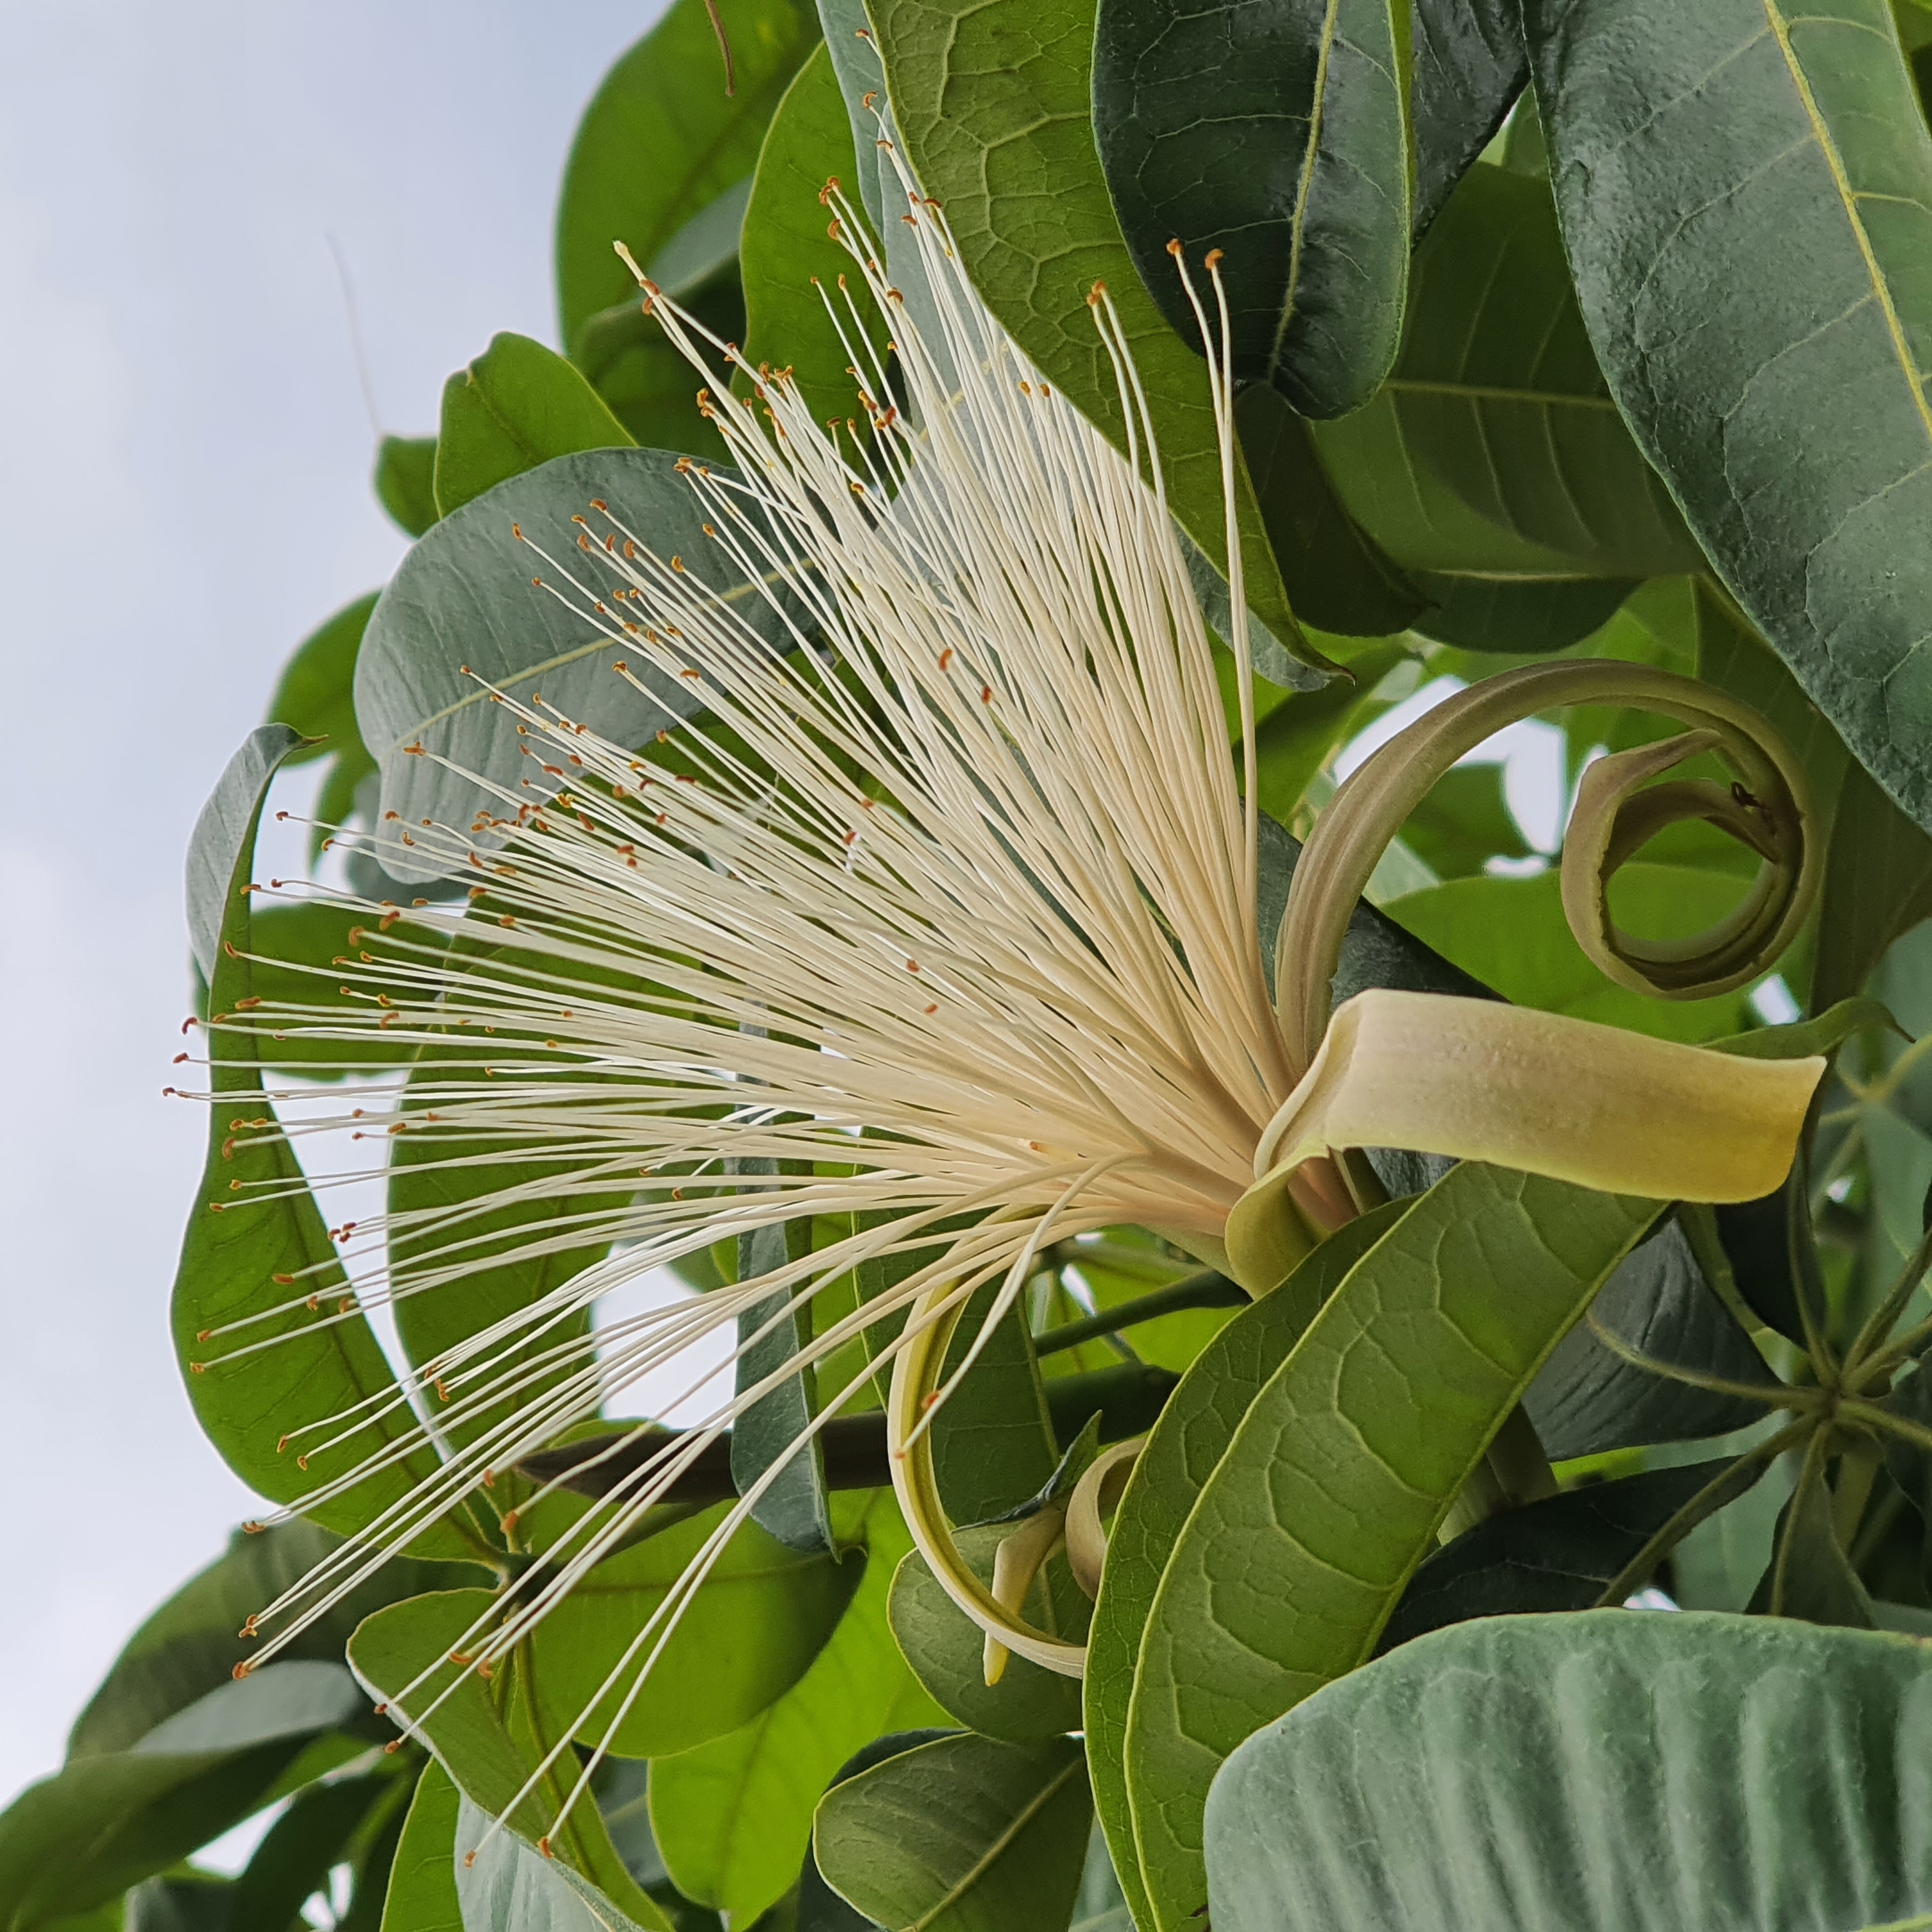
[1595, 327]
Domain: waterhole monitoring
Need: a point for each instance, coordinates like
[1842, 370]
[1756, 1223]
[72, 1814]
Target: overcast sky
[184, 455]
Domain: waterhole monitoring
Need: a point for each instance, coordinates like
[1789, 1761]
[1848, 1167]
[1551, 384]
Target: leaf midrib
[1780, 32]
[1021, 1819]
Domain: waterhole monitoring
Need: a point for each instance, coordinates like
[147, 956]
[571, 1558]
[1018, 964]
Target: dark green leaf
[1333, 1489]
[993, 1440]
[790, 263]
[191, 1646]
[1746, 194]
[517, 405]
[1755, 1237]
[1554, 1555]
[753, 1630]
[1810, 1576]
[1589, 1399]
[405, 481]
[234, 1247]
[1469, 66]
[1335, 575]
[315, 694]
[963, 1835]
[464, 597]
[1301, 171]
[946, 1650]
[1493, 455]
[1878, 884]
[1517, 614]
[1647, 1780]
[301, 1848]
[993, 104]
[732, 1818]
[106, 1822]
[793, 1508]
[820, 1908]
[1182, 1450]
[198, 1904]
[422, 1881]
[662, 141]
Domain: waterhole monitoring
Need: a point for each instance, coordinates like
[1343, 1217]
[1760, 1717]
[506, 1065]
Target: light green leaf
[464, 597]
[1511, 934]
[753, 1630]
[1647, 1781]
[963, 1835]
[235, 1246]
[1493, 456]
[992, 104]
[517, 406]
[733, 1818]
[704, 246]
[1746, 197]
[1336, 1482]
[422, 1881]
[505, 1885]
[1301, 173]
[662, 140]
[1182, 1450]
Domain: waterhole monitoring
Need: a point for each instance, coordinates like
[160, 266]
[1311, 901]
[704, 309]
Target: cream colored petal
[1542, 1092]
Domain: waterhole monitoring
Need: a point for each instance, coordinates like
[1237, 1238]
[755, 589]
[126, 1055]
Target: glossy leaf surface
[1299, 172]
[963, 1835]
[1747, 197]
[1331, 1491]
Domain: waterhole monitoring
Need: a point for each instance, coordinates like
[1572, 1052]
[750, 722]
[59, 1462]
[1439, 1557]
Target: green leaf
[1301, 173]
[1469, 68]
[315, 695]
[1512, 934]
[751, 1633]
[1810, 1576]
[820, 1908]
[1336, 1482]
[490, 1736]
[1336, 575]
[517, 406]
[622, 1788]
[191, 1644]
[1464, 822]
[1878, 885]
[662, 140]
[235, 1247]
[794, 1509]
[298, 944]
[405, 481]
[733, 1818]
[1182, 1450]
[789, 263]
[705, 247]
[195, 1903]
[1517, 614]
[994, 1444]
[422, 1881]
[505, 1886]
[1556, 1554]
[964, 1834]
[946, 1650]
[1647, 1780]
[463, 597]
[1747, 195]
[1493, 456]
[106, 1822]
[302, 1846]
[1588, 1399]
[992, 103]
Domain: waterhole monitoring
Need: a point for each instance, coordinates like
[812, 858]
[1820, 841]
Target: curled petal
[1542, 1092]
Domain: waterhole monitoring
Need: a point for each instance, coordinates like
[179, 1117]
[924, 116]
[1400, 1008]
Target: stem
[1204, 1288]
[1811, 1474]
[1724, 1488]
[1857, 1472]
[1878, 1323]
[1779, 1396]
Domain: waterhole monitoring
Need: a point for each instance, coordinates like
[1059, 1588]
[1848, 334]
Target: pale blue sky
[184, 452]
